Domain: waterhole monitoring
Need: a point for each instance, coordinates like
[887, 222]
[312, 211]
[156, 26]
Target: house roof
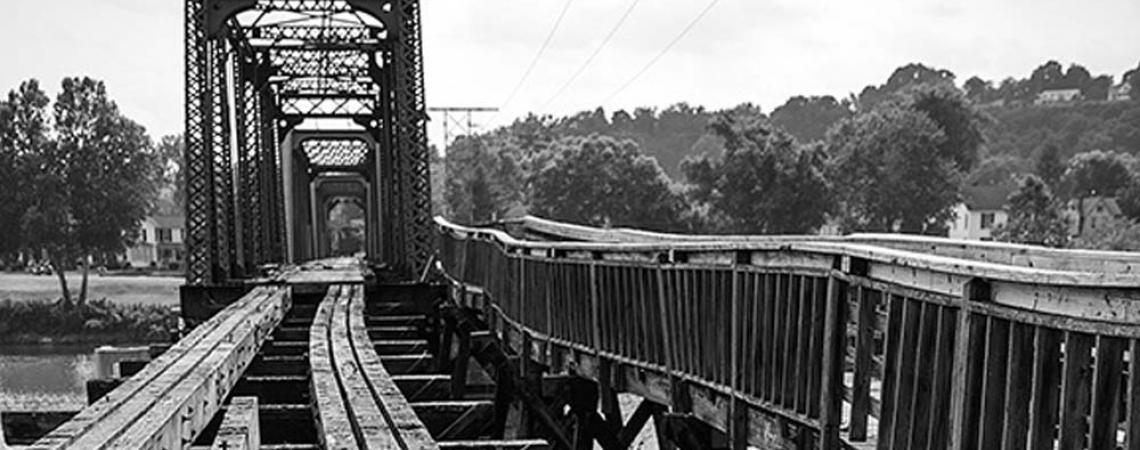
[1097, 205]
[169, 221]
[987, 197]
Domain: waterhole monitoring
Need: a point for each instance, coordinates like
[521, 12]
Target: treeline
[1048, 76]
[893, 158]
[896, 166]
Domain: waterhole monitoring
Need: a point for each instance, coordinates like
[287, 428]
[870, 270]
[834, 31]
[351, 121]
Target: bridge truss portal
[257, 71]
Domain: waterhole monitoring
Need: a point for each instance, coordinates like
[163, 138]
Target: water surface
[44, 377]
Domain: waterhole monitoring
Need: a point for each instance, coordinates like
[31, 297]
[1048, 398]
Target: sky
[476, 52]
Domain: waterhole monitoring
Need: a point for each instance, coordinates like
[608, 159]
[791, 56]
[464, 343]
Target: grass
[133, 289]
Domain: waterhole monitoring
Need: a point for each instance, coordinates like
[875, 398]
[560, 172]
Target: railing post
[738, 411]
[964, 390]
[521, 290]
[831, 395]
[595, 314]
[666, 331]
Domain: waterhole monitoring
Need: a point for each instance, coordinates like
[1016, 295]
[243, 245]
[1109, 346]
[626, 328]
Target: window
[987, 221]
[164, 235]
[142, 236]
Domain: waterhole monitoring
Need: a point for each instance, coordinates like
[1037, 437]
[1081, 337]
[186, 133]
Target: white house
[1120, 92]
[160, 243]
[983, 209]
[1058, 96]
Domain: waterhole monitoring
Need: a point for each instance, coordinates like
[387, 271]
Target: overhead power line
[538, 56]
[450, 119]
[663, 51]
[593, 55]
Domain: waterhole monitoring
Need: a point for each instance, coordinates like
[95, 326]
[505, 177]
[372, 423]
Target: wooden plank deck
[172, 399]
[348, 352]
[240, 426]
[324, 272]
[358, 403]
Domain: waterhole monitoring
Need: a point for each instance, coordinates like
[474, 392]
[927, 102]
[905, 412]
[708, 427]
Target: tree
[94, 184]
[10, 201]
[890, 174]
[809, 118]
[1047, 76]
[1097, 88]
[170, 152]
[1132, 77]
[955, 116]
[484, 179]
[1049, 167]
[1129, 199]
[977, 89]
[764, 183]
[602, 181]
[24, 126]
[913, 74]
[1034, 217]
[997, 170]
[1077, 77]
[1098, 173]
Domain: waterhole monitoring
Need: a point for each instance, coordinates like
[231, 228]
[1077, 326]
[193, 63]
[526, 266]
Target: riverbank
[125, 289]
[96, 322]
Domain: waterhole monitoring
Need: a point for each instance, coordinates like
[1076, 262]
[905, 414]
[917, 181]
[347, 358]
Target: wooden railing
[796, 342]
[1093, 261]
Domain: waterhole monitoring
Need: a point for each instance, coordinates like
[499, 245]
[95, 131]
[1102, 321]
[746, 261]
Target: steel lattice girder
[285, 61]
[340, 153]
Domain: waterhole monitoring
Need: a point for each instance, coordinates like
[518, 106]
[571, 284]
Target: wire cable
[590, 60]
[663, 52]
[537, 56]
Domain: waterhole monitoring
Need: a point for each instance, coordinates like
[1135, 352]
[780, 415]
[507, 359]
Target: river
[44, 378]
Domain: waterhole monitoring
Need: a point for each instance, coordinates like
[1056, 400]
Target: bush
[95, 322]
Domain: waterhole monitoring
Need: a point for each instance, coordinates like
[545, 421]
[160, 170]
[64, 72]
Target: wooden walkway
[174, 397]
[307, 360]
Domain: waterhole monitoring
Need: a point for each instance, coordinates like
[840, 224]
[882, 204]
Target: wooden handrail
[996, 252]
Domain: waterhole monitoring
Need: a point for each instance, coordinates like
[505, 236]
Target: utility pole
[452, 115]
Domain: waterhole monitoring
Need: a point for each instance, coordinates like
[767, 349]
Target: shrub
[94, 322]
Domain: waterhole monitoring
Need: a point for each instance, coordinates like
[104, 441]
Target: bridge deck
[319, 360]
[769, 343]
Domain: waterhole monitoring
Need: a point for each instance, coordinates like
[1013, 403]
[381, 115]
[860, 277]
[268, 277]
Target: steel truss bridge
[522, 335]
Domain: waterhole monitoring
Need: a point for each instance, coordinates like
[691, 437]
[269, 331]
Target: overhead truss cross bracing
[256, 70]
[336, 153]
